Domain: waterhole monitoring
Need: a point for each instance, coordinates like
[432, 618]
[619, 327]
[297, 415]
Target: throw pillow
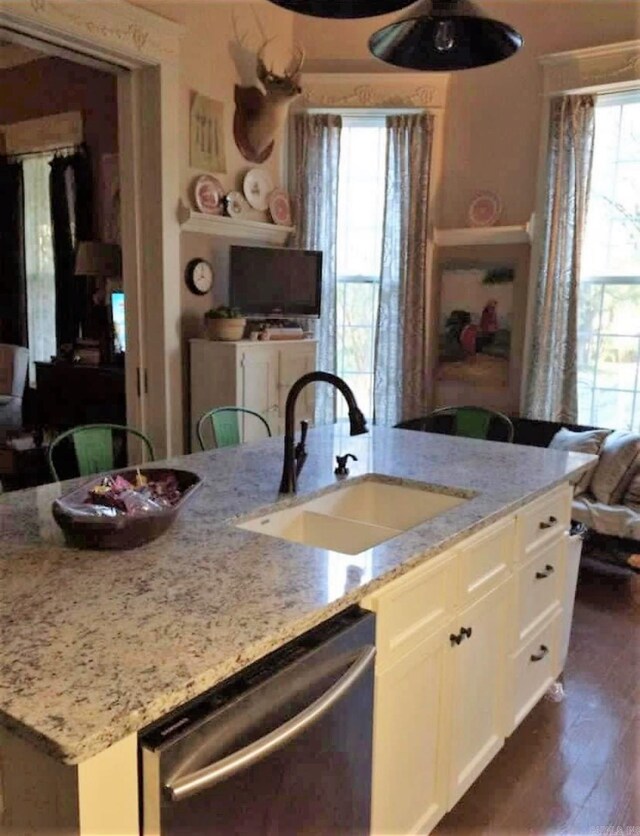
[632, 495]
[615, 467]
[589, 441]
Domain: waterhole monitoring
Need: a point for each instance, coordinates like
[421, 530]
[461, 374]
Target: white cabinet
[476, 682]
[253, 375]
[467, 644]
[409, 781]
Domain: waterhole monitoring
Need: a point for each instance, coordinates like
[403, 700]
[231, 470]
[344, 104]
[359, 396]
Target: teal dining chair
[94, 448]
[225, 426]
[476, 421]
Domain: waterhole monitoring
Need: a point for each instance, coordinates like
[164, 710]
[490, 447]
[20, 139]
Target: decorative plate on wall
[237, 206]
[280, 207]
[485, 209]
[257, 187]
[208, 195]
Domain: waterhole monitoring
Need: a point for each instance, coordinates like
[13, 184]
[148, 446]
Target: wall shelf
[266, 233]
[472, 236]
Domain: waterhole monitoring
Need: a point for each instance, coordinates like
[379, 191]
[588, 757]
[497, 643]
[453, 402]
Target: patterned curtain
[400, 386]
[551, 392]
[317, 163]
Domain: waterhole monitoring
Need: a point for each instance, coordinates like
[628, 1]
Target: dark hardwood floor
[573, 767]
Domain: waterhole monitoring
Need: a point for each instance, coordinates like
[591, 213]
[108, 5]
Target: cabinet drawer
[540, 586]
[412, 608]
[533, 669]
[543, 520]
[485, 561]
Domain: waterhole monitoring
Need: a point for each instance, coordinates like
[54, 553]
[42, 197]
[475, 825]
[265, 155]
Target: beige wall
[207, 66]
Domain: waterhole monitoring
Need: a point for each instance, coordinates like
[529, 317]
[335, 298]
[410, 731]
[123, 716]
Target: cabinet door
[409, 784]
[259, 391]
[477, 667]
[294, 361]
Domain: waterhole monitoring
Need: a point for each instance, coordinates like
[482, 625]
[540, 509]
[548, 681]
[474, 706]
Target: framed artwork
[475, 325]
[206, 135]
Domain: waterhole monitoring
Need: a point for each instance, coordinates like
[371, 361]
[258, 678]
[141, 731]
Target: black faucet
[295, 454]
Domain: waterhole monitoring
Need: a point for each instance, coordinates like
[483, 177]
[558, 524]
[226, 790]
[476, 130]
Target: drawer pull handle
[465, 633]
[548, 570]
[549, 523]
[537, 657]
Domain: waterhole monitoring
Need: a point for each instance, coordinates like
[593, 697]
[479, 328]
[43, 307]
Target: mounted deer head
[260, 115]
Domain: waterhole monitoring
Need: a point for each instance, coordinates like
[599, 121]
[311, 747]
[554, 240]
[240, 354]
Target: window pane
[609, 310]
[612, 409]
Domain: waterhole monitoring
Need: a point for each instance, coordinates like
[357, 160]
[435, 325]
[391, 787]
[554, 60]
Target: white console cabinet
[467, 645]
[254, 375]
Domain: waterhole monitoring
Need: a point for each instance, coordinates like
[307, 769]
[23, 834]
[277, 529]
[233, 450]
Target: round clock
[199, 276]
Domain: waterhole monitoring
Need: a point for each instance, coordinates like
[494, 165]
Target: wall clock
[199, 276]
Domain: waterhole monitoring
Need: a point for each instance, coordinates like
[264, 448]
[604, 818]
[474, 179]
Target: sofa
[14, 365]
[607, 498]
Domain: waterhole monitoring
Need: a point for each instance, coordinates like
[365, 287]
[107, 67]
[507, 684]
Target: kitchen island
[97, 645]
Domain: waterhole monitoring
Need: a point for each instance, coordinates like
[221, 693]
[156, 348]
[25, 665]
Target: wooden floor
[573, 767]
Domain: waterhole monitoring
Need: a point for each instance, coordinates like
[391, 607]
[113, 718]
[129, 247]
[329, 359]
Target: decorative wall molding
[133, 32]
[609, 66]
[372, 90]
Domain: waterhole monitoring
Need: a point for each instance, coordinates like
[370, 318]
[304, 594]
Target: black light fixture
[445, 35]
[343, 9]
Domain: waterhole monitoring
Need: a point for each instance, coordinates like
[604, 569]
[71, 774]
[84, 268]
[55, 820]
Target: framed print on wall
[206, 135]
[476, 324]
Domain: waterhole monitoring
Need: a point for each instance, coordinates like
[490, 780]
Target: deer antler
[241, 39]
[295, 65]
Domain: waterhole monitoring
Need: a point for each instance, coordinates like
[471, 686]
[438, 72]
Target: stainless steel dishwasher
[284, 747]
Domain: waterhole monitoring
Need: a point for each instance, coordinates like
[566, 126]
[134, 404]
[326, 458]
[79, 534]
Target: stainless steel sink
[355, 516]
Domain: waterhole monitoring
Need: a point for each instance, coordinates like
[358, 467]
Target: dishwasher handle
[202, 779]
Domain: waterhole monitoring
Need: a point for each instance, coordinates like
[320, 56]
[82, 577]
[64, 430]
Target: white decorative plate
[257, 187]
[484, 209]
[280, 207]
[208, 195]
[237, 206]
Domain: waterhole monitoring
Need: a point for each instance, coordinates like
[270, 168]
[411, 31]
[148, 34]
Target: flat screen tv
[275, 282]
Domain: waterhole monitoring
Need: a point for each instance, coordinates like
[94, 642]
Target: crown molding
[612, 66]
[134, 33]
[374, 90]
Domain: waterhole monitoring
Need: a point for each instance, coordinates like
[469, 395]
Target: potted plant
[224, 323]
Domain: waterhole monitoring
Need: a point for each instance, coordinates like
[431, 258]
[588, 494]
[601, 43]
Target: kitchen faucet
[296, 454]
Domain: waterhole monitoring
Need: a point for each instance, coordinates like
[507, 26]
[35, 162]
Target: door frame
[146, 48]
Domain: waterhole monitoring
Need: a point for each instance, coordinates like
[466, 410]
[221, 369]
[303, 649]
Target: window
[39, 262]
[609, 303]
[359, 252]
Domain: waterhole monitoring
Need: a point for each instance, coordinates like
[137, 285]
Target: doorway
[146, 47]
[63, 290]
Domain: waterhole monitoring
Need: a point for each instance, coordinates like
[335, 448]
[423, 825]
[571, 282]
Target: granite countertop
[97, 645]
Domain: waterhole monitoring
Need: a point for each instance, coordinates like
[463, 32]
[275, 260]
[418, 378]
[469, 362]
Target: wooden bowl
[123, 531]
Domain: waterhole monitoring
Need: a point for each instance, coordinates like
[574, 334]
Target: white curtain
[317, 165]
[552, 381]
[40, 270]
[400, 386]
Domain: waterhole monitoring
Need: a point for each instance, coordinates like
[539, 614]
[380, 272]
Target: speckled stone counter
[96, 645]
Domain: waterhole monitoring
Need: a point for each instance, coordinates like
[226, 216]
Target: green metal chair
[476, 421]
[93, 445]
[224, 425]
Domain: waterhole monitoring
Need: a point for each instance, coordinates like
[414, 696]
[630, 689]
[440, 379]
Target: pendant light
[445, 35]
[343, 8]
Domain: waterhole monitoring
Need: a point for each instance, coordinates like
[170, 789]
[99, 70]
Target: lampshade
[95, 258]
[343, 8]
[445, 35]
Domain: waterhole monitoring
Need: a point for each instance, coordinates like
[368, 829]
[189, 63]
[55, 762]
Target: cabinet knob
[467, 631]
[458, 638]
[455, 639]
[537, 657]
[548, 570]
[549, 523]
